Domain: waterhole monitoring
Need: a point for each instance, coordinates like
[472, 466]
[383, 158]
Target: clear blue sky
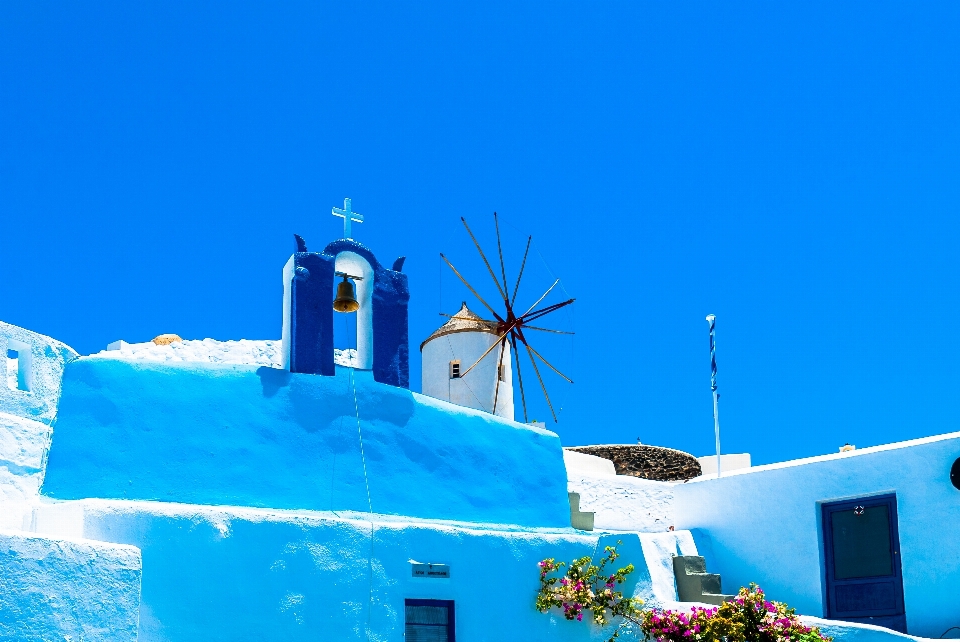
[792, 168]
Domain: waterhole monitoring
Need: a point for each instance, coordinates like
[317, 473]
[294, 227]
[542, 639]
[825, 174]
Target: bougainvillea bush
[749, 617]
[586, 588]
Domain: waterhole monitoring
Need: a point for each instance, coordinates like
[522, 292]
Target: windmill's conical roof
[463, 321]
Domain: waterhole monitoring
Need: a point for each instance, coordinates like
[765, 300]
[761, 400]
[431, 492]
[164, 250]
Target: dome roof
[463, 321]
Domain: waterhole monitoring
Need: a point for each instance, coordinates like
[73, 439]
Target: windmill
[510, 326]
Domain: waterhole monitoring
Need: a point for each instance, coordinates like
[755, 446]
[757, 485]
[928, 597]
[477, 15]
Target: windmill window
[429, 621]
[503, 372]
[454, 369]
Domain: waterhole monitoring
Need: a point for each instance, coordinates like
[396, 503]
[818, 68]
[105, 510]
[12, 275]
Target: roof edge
[444, 333]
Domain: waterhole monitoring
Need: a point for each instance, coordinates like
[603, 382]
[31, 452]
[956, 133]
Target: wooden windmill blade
[484, 256]
[470, 287]
[503, 269]
[523, 264]
[523, 397]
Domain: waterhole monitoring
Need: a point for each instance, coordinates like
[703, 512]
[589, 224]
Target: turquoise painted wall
[59, 589]
[256, 436]
[264, 575]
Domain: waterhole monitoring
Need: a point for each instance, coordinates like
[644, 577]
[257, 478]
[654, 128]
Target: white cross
[348, 216]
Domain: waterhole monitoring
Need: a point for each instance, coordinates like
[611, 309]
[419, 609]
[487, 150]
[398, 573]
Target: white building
[448, 355]
[201, 491]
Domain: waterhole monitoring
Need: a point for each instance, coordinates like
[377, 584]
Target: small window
[503, 372]
[429, 621]
[454, 369]
[13, 369]
[18, 365]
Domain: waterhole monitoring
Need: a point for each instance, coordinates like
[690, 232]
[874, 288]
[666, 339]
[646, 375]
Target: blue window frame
[429, 621]
[862, 565]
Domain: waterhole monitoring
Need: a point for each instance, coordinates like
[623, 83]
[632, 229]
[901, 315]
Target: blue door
[862, 562]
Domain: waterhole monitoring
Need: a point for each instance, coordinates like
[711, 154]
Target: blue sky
[792, 168]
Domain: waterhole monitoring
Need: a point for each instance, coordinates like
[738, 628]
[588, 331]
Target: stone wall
[647, 462]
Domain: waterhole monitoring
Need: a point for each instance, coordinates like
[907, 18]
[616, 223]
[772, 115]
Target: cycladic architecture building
[289, 489]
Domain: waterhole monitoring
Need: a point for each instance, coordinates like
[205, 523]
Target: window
[503, 372]
[13, 369]
[18, 365]
[454, 369]
[429, 621]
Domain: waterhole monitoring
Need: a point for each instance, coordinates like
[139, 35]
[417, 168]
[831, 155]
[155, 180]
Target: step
[694, 584]
[579, 520]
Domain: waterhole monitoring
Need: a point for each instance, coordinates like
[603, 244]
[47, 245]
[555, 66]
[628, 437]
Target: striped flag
[712, 320]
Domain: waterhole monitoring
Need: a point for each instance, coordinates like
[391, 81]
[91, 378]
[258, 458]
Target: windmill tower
[449, 352]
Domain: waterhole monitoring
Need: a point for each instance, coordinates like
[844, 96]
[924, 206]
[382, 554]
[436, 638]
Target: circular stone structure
[647, 462]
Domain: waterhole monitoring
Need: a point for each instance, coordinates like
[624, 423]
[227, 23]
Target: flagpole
[712, 320]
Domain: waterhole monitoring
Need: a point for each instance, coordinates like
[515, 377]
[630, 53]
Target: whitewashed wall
[34, 387]
[625, 503]
[477, 389]
[728, 463]
[583, 464]
[762, 524]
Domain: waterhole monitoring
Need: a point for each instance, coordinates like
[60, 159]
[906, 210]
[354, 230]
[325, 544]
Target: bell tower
[310, 280]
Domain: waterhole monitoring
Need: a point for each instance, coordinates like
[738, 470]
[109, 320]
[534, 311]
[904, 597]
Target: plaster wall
[265, 575]
[61, 589]
[257, 574]
[23, 449]
[762, 524]
[625, 503]
[583, 464]
[728, 463]
[856, 632]
[39, 367]
[478, 389]
[286, 330]
[241, 435]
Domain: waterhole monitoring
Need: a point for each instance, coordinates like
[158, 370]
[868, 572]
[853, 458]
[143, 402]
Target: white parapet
[728, 463]
[582, 464]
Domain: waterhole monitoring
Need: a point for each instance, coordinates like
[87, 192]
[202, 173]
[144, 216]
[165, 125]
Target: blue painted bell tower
[309, 282]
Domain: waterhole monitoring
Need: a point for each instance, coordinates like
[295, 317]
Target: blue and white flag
[712, 320]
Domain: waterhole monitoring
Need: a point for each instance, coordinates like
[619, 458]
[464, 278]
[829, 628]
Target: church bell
[346, 300]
